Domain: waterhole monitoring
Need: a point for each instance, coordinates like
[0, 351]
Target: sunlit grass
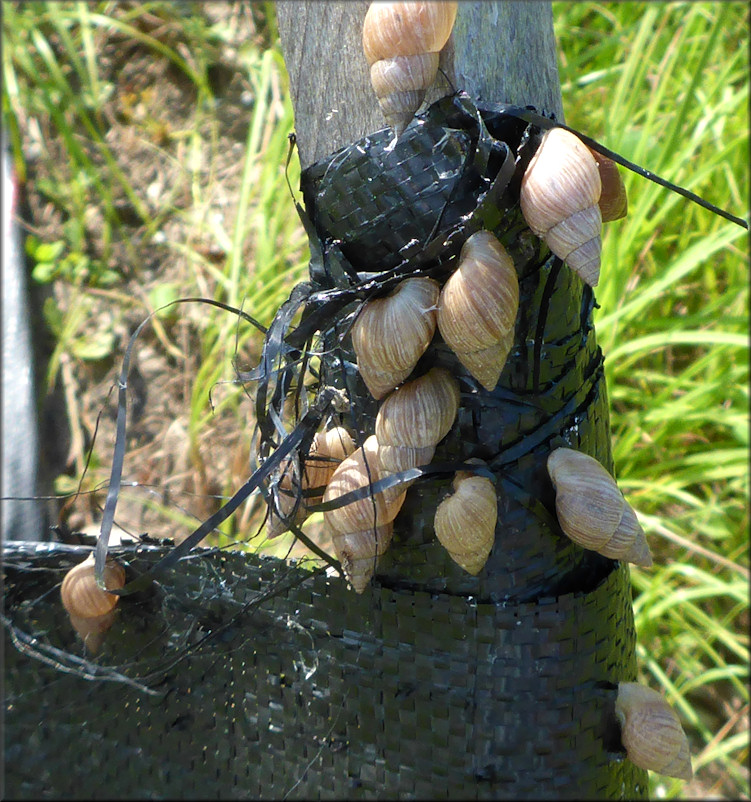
[667, 87]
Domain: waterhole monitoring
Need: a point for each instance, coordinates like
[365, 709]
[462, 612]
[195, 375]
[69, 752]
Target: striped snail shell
[327, 450]
[591, 509]
[402, 43]
[361, 530]
[613, 201]
[414, 419]
[392, 333]
[651, 732]
[91, 610]
[465, 521]
[477, 307]
[559, 199]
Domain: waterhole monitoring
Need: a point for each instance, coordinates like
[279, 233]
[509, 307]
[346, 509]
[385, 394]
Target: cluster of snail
[567, 192]
[475, 312]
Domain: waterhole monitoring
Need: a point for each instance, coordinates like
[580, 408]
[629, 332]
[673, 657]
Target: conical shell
[613, 201]
[465, 521]
[477, 308]
[559, 199]
[362, 530]
[392, 333]
[327, 450]
[591, 509]
[400, 84]
[394, 33]
[90, 609]
[651, 732]
[415, 418]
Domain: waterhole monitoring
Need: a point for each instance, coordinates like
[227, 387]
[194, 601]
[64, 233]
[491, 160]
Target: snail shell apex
[362, 530]
[591, 509]
[465, 521]
[477, 308]
[391, 333]
[402, 42]
[559, 198]
[651, 732]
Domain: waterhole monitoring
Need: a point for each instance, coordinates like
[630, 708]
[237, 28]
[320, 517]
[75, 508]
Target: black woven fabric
[240, 677]
[313, 693]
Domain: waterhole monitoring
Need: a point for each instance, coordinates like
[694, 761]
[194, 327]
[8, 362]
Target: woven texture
[240, 677]
[316, 692]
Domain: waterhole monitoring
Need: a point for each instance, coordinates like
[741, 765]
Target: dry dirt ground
[148, 120]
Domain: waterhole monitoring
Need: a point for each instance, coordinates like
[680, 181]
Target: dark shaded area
[211, 686]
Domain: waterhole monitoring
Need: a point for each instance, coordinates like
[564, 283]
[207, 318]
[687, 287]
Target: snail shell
[362, 530]
[465, 521]
[651, 732]
[91, 610]
[414, 419]
[592, 510]
[613, 201]
[392, 333]
[402, 43]
[327, 450]
[477, 308]
[559, 199]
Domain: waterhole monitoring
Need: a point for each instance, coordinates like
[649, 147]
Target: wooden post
[501, 52]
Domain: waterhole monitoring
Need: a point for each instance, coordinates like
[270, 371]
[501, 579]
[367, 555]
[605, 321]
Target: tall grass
[665, 85]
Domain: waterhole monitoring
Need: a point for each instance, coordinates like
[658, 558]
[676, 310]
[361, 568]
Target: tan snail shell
[391, 333]
[477, 308]
[91, 610]
[559, 199]
[613, 201]
[414, 419]
[591, 509]
[402, 43]
[327, 450]
[362, 530]
[651, 732]
[465, 521]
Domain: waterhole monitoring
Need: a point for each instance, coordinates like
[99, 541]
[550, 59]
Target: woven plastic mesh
[316, 692]
[255, 679]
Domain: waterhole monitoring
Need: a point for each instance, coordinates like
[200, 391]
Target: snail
[613, 201]
[592, 510]
[327, 450]
[414, 419]
[560, 192]
[402, 44]
[361, 530]
[477, 308]
[651, 732]
[91, 610]
[465, 521]
[392, 333]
